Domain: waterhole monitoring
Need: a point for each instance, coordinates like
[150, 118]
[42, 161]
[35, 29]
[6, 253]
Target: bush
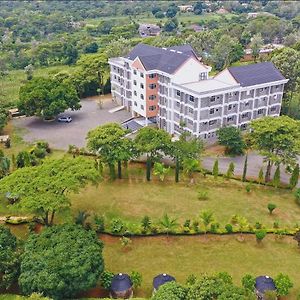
[146, 223]
[203, 195]
[170, 290]
[270, 295]
[283, 284]
[105, 279]
[196, 226]
[297, 196]
[234, 219]
[100, 223]
[248, 282]
[136, 279]
[228, 228]
[271, 207]
[191, 279]
[276, 224]
[248, 187]
[258, 225]
[117, 225]
[214, 227]
[260, 235]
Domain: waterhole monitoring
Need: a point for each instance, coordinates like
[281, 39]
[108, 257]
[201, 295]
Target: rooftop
[254, 74]
[163, 59]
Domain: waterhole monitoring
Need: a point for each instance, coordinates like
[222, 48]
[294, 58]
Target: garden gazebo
[161, 279]
[263, 284]
[121, 287]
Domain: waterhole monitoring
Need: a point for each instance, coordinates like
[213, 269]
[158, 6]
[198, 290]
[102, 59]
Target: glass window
[142, 96]
[135, 93]
[134, 82]
[142, 106]
[134, 72]
[178, 93]
[192, 98]
[211, 111]
[152, 75]
[142, 85]
[152, 97]
[152, 107]
[142, 74]
[152, 86]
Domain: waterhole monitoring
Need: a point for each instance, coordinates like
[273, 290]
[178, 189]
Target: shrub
[191, 279]
[170, 290]
[260, 235]
[105, 279]
[258, 225]
[270, 295]
[297, 196]
[215, 171]
[136, 279]
[187, 223]
[271, 207]
[203, 195]
[276, 224]
[234, 219]
[283, 284]
[230, 171]
[248, 187]
[261, 178]
[214, 227]
[100, 223]
[294, 177]
[196, 226]
[117, 225]
[248, 282]
[228, 228]
[146, 223]
[125, 241]
[276, 178]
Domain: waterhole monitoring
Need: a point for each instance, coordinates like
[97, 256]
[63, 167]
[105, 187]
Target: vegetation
[45, 269]
[231, 138]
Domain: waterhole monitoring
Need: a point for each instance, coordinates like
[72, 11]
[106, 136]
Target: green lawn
[131, 199]
[181, 256]
[10, 84]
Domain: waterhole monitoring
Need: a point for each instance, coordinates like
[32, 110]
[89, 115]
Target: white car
[65, 119]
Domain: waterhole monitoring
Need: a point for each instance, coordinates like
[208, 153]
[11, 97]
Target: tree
[168, 224]
[276, 179]
[185, 148]
[271, 207]
[215, 171]
[294, 177]
[152, 142]
[29, 71]
[110, 143]
[260, 235]
[44, 189]
[170, 290]
[171, 11]
[198, 7]
[170, 25]
[9, 258]
[155, 10]
[245, 168]
[160, 171]
[283, 284]
[288, 62]
[46, 97]
[91, 48]
[230, 171]
[261, 176]
[61, 261]
[206, 217]
[232, 139]
[276, 139]
[255, 45]
[190, 166]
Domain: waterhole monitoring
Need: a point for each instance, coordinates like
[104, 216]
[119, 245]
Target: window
[177, 115]
[134, 82]
[244, 126]
[115, 77]
[142, 106]
[190, 122]
[152, 97]
[229, 119]
[260, 111]
[142, 85]
[142, 96]
[177, 104]
[191, 110]
[275, 97]
[203, 76]
[212, 122]
[135, 93]
[211, 111]
[273, 108]
[142, 74]
[135, 104]
[213, 99]
[192, 99]
[247, 104]
[114, 68]
[178, 93]
[230, 107]
[134, 72]
[152, 86]
[245, 115]
[152, 107]
[152, 75]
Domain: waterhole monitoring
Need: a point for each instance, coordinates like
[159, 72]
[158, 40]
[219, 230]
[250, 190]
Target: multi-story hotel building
[172, 87]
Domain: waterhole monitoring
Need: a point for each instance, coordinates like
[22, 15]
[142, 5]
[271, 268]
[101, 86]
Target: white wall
[139, 91]
[226, 77]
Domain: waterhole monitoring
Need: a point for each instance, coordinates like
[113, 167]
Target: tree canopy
[47, 97]
[61, 261]
[44, 189]
[231, 138]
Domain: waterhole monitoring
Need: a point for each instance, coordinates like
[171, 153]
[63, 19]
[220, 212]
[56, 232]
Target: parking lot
[61, 135]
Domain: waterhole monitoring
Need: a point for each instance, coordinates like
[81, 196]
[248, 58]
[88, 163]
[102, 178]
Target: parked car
[65, 119]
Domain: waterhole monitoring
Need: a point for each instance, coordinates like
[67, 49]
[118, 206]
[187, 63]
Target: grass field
[132, 199]
[10, 85]
[182, 256]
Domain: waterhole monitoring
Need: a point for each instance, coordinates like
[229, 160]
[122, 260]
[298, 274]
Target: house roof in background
[163, 59]
[254, 74]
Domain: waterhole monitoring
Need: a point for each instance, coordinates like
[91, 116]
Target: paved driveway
[61, 135]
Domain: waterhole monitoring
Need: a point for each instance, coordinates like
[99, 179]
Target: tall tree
[153, 143]
[61, 261]
[185, 148]
[110, 143]
[231, 138]
[294, 177]
[44, 189]
[46, 97]
[288, 62]
[277, 139]
[255, 45]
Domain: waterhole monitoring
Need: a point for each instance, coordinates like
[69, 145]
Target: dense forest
[36, 35]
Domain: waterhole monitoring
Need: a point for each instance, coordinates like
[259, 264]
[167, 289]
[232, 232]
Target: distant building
[196, 27]
[186, 8]
[253, 15]
[263, 52]
[173, 87]
[222, 11]
[149, 30]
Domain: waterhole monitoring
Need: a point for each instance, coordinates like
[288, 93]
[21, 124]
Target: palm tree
[190, 166]
[168, 223]
[206, 217]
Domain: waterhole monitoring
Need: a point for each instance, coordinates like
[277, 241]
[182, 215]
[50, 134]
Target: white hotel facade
[173, 88]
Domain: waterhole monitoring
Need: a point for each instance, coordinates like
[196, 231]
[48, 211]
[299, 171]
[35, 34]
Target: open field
[10, 84]
[132, 199]
[182, 256]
